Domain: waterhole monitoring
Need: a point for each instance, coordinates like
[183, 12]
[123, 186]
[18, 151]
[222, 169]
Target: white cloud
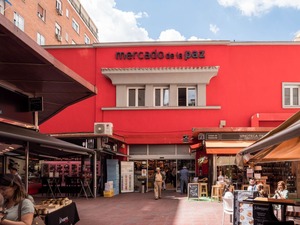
[214, 28]
[259, 7]
[115, 25]
[171, 35]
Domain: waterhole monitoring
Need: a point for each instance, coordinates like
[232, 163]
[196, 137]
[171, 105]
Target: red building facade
[164, 97]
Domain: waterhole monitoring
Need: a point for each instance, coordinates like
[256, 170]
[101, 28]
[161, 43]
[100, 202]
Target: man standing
[184, 177]
[157, 183]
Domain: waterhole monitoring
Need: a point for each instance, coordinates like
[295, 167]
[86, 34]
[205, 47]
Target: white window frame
[290, 87]
[40, 39]
[58, 5]
[87, 40]
[42, 14]
[67, 37]
[19, 21]
[188, 97]
[75, 26]
[57, 29]
[164, 96]
[136, 100]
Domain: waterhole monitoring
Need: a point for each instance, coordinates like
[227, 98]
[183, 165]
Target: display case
[291, 184]
[66, 168]
[279, 171]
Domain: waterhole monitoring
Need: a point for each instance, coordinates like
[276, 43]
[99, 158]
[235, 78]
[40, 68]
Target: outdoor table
[272, 201]
[66, 215]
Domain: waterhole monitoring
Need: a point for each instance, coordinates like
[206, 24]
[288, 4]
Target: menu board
[193, 190]
[262, 213]
[243, 214]
[127, 175]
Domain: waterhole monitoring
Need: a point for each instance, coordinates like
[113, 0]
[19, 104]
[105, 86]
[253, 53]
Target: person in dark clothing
[184, 178]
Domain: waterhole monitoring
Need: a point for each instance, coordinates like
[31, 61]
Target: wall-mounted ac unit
[103, 128]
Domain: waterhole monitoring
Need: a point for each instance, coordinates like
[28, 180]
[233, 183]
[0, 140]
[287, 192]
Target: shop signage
[234, 136]
[158, 55]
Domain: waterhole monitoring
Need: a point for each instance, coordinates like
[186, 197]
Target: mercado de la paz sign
[186, 55]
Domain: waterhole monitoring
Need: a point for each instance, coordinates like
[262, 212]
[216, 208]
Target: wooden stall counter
[58, 211]
[259, 203]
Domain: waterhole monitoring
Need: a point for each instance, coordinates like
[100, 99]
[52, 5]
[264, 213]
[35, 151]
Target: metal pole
[26, 166]
[95, 174]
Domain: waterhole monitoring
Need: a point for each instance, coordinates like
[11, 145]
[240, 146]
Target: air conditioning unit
[58, 37]
[103, 128]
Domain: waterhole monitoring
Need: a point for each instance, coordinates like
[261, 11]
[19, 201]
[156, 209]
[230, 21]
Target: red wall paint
[248, 82]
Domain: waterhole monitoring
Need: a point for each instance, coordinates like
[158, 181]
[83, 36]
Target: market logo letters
[64, 220]
[158, 55]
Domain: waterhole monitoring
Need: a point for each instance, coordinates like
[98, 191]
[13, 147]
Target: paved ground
[143, 209]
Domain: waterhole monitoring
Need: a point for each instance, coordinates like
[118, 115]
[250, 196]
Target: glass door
[168, 168]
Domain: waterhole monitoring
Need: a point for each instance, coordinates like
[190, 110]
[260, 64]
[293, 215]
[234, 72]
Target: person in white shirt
[158, 178]
[220, 177]
[252, 185]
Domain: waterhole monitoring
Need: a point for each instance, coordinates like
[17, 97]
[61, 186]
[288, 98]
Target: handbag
[37, 219]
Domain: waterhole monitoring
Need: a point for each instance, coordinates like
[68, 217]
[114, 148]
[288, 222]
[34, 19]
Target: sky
[188, 20]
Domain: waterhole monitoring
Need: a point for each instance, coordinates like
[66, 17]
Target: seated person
[281, 191]
[252, 185]
[227, 191]
[261, 192]
[220, 177]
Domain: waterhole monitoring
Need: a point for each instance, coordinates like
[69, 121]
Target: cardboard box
[108, 193]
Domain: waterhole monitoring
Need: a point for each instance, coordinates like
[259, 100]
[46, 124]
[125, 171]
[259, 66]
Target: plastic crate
[108, 194]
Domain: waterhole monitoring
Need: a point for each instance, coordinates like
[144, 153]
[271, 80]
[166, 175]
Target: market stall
[279, 145]
[58, 211]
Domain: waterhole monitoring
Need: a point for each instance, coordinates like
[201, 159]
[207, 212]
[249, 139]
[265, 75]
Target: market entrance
[168, 169]
[144, 173]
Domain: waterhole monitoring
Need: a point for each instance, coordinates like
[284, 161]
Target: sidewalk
[142, 209]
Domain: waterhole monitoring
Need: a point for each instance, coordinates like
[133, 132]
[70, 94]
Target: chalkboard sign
[262, 213]
[193, 190]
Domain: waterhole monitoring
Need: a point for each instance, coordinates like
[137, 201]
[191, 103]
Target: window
[40, 39]
[41, 12]
[161, 96]
[67, 37]
[136, 97]
[19, 21]
[86, 39]
[291, 95]
[67, 13]
[57, 31]
[183, 88]
[75, 26]
[58, 7]
[186, 96]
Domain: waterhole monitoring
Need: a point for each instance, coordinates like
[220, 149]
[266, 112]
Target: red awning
[223, 151]
[195, 146]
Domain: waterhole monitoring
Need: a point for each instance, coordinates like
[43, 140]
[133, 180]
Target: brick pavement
[138, 208]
